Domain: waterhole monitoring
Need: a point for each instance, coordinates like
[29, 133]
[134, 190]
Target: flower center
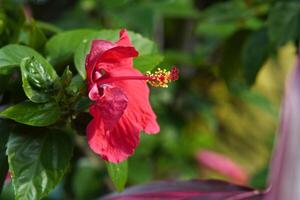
[159, 78]
[162, 77]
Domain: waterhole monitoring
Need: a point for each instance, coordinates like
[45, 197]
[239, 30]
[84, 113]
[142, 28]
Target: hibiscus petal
[111, 105]
[94, 93]
[114, 145]
[118, 55]
[98, 48]
[124, 39]
[151, 126]
[138, 109]
[111, 134]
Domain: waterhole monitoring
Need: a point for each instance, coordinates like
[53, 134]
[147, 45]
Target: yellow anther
[162, 77]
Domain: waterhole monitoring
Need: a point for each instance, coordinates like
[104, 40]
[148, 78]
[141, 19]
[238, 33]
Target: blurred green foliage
[233, 56]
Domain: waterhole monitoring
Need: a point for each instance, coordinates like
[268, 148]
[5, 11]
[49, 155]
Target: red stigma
[174, 74]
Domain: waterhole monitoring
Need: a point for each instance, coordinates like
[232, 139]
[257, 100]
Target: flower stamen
[159, 78]
[162, 77]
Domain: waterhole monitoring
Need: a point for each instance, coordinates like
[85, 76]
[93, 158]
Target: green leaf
[118, 174]
[33, 114]
[87, 172]
[66, 77]
[147, 62]
[38, 161]
[12, 55]
[176, 8]
[32, 36]
[221, 20]
[231, 61]
[12, 18]
[143, 45]
[4, 133]
[255, 53]
[79, 57]
[62, 46]
[283, 22]
[39, 81]
[76, 86]
[47, 27]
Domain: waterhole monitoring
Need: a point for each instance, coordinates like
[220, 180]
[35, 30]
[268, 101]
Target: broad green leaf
[4, 133]
[62, 46]
[147, 62]
[118, 174]
[143, 45]
[38, 161]
[12, 55]
[40, 82]
[33, 114]
[255, 53]
[79, 57]
[283, 22]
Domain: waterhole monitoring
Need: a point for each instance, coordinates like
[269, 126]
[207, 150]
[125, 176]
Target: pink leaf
[194, 189]
[285, 170]
[223, 165]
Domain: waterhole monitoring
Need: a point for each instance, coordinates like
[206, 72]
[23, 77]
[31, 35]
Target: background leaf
[38, 161]
[147, 62]
[118, 174]
[33, 114]
[62, 46]
[12, 55]
[255, 53]
[40, 82]
[87, 172]
[32, 35]
[284, 16]
[230, 69]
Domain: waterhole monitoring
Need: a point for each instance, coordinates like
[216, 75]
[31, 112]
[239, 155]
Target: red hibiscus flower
[120, 95]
